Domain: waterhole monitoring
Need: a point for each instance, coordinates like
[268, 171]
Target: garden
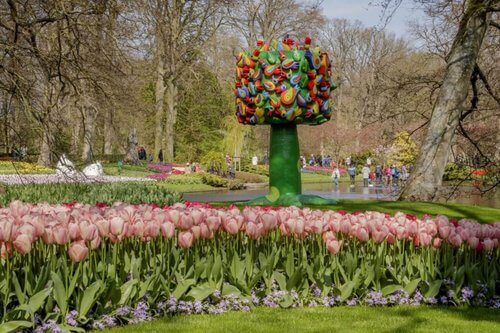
[154, 178]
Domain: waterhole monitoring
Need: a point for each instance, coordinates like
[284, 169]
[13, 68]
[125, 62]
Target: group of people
[380, 175]
[317, 160]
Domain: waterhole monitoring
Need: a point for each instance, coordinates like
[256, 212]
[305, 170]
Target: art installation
[284, 84]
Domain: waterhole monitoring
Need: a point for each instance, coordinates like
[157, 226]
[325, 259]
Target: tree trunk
[108, 132]
[75, 142]
[159, 98]
[45, 157]
[171, 95]
[88, 134]
[284, 164]
[132, 155]
[434, 152]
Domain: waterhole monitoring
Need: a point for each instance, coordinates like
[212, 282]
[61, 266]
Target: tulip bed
[77, 266]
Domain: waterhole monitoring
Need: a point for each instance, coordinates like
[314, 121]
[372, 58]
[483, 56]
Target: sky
[370, 15]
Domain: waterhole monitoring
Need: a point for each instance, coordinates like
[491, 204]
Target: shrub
[109, 193]
[248, 177]
[235, 184]
[215, 161]
[213, 180]
[258, 169]
[183, 180]
[454, 171]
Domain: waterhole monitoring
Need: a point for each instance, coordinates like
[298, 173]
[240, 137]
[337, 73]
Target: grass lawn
[338, 319]
[315, 178]
[453, 210]
[186, 188]
[127, 170]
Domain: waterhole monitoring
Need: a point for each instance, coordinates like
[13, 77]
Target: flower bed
[99, 265]
[53, 178]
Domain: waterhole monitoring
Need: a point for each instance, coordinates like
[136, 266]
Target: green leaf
[182, 287]
[89, 298]
[289, 265]
[287, 301]
[228, 289]
[410, 287]
[434, 287]
[346, 290]
[294, 280]
[59, 292]
[216, 269]
[127, 290]
[387, 290]
[281, 279]
[19, 292]
[14, 326]
[201, 292]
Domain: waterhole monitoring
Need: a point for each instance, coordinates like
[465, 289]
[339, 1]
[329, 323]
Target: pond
[344, 191]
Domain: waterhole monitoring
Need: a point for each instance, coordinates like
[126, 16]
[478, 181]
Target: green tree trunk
[284, 164]
[285, 187]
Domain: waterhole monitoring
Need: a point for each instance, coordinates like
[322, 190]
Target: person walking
[378, 174]
[366, 175]
[395, 175]
[336, 176]
[351, 171]
[388, 175]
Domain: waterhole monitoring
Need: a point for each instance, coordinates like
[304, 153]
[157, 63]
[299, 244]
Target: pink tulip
[206, 233]
[197, 216]
[333, 246]
[489, 244]
[174, 216]
[152, 229]
[5, 229]
[231, 226]
[186, 222]
[103, 227]
[168, 229]
[74, 231]
[269, 221]
[437, 243]
[78, 251]
[196, 230]
[48, 236]
[5, 250]
[362, 234]
[345, 227]
[61, 235]
[22, 244]
[94, 243]
[391, 239]
[139, 228]
[455, 239]
[186, 239]
[116, 226]
[379, 236]
[473, 242]
[444, 232]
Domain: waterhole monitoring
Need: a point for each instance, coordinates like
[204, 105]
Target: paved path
[325, 190]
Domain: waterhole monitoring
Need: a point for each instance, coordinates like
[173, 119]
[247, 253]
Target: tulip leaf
[295, 279]
[434, 287]
[17, 288]
[59, 292]
[281, 279]
[387, 290]
[89, 298]
[287, 301]
[36, 301]
[127, 291]
[229, 289]
[346, 290]
[14, 326]
[216, 269]
[201, 292]
[182, 287]
[412, 286]
[289, 264]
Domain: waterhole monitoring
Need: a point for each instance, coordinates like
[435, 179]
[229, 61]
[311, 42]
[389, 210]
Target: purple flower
[123, 311]
[351, 302]
[109, 321]
[467, 294]
[140, 312]
[217, 293]
[432, 300]
[71, 318]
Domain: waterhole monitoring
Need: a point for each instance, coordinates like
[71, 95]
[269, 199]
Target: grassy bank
[340, 319]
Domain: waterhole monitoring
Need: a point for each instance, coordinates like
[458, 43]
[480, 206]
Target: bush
[133, 193]
[183, 180]
[215, 161]
[248, 177]
[213, 180]
[235, 184]
[454, 171]
[258, 169]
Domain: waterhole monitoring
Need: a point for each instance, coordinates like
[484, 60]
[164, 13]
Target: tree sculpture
[284, 84]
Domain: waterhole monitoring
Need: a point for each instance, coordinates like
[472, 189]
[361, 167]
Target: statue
[284, 84]
[65, 167]
[93, 170]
